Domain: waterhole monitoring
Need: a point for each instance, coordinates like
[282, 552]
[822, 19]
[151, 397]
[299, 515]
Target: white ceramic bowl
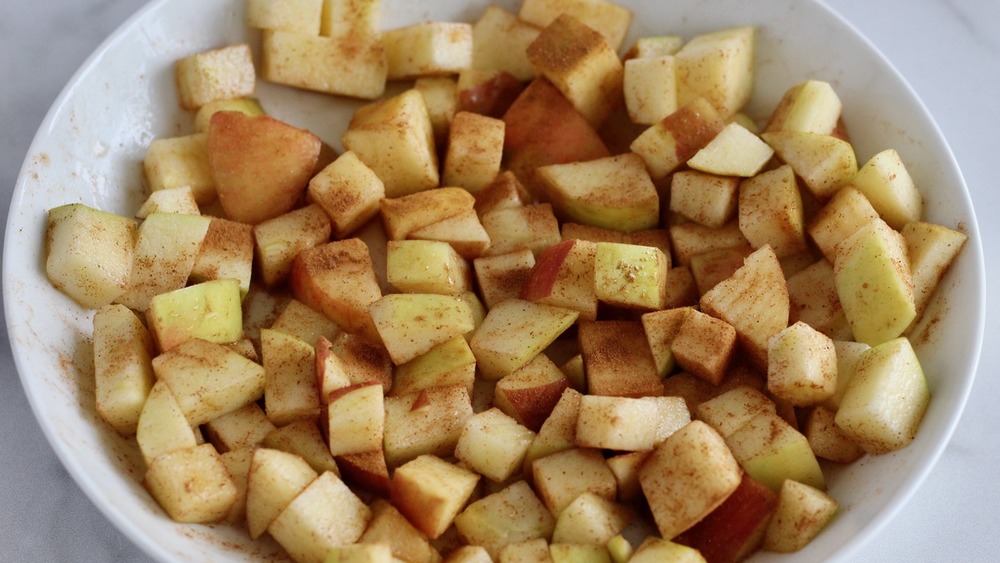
[90, 147]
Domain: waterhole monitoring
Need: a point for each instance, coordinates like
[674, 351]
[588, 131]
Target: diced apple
[771, 450]
[591, 519]
[562, 476]
[734, 151]
[558, 432]
[499, 41]
[719, 66]
[823, 162]
[661, 328]
[355, 419]
[801, 514]
[534, 227]
[801, 365]
[216, 74]
[654, 549]
[297, 15]
[707, 199]
[226, 252]
[676, 138]
[475, 148]
[493, 444]
[241, 153]
[827, 440]
[618, 359]
[514, 332]
[290, 388]
[123, 372]
[405, 214]
[771, 211]
[531, 392]
[161, 427]
[932, 248]
[411, 324]
[430, 492]
[734, 530]
[846, 212]
[349, 192]
[878, 419]
[690, 238]
[428, 49]
[425, 422]
[423, 266]
[440, 95]
[728, 411]
[630, 276]
[169, 200]
[464, 232]
[503, 276]
[210, 310]
[307, 324]
[352, 65]
[388, 526]
[812, 296]
[811, 106]
[610, 19]
[366, 471]
[511, 515]
[650, 86]
[616, 423]
[887, 184]
[192, 484]
[245, 427]
[449, 363]
[487, 92]
[177, 162]
[303, 438]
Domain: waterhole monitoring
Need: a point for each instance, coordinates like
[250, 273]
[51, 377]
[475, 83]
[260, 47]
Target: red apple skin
[543, 275]
[366, 470]
[535, 404]
[734, 530]
[542, 127]
[492, 97]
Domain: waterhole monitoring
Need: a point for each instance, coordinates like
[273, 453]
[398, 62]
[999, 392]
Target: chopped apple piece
[562, 476]
[475, 148]
[123, 372]
[428, 49]
[690, 239]
[846, 212]
[591, 519]
[932, 249]
[430, 492]
[464, 232]
[827, 440]
[303, 438]
[531, 392]
[812, 296]
[367, 471]
[558, 432]
[410, 324]
[211, 311]
[630, 275]
[650, 86]
[405, 214]
[734, 530]
[562, 276]
[811, 106]
[874, 284]
[307, 324]
[353, 65]
[823, 162]
[719, 66]
[534, 227]
[735, 151]
[162, 427]
[192, 484]
[169, 200]
[707, 199]
[730, 410]
[885, 399]
[388, 526]
[245, 427]
[616, 423]
[503, 276]
[423, 266]
[511, 515]
[618, 359]
[241, 153]
[887, 184]
[302, 16]
[217, 74]
[226, 252]
[676, 138]
[355, 419]
[771, 450]
[514, 332]
[661, 328]
[425, 422]
[801, 365]
[499, 42]
[274, 479]
[449, 363]
[687, 476]
[610, 19]
[801, 514]
[493, 444]
[178, 162]
[704, 346]
[348, 191]
[771, 211]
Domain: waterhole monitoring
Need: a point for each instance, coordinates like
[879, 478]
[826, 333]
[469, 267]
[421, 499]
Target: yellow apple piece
[618, 359]
[872, 274]
[296, 15]
[388, 526]
[303, 438]
[499, 41]
[241, 153]
[169, 200]
[887, 184]
[428, 49]
[730, 410]
[612, 20]
[591, 519]
[561, 477]
[616, 423]
[425, 422]
[654, 549]
[630, 275]
[245, 427]
[811, 106]
[290, 388]
[812, 295]
[449, 363]
[719, 66]
[404, 214]
[305, 323]
[177, 162]
[209, 379]
[514, 332]
[801, 365]
[463, 231]
[771, 450]
[210, 310]
[475, 149]
[217, 74]
[801, 514]
[932, 249]
[687, 476]
[123, 371]
[410, 324]
[192, 484]
[771, 211]
[707, 199]
[355, 419]
[227, 251]
[735, 151]
[534, 227]
[424, 266]
[886, 398]
[274, 480]
[824, 163]
[493, 444]
[162, 427]
[614, 192]
[430, 492]
[650, 87]
[531, 392]
[827, 440]
[661, 328]
[503, 276]
[512, 515]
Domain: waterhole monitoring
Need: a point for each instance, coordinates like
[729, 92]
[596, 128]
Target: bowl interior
[90, 148]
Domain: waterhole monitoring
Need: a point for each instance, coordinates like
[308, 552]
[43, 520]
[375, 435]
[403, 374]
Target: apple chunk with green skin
[211, 311]
[614, 192]
[872, 274]
[89, 253]
[411, 324]
[630, 275]
[801, 514]
[885, 399]
[274, 158]
[274, 480]
[771, 450]
[514, 332]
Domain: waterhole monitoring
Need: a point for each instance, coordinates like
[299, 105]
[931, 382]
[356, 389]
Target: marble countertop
[949, 51]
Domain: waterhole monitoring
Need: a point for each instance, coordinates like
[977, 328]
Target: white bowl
[92, 142]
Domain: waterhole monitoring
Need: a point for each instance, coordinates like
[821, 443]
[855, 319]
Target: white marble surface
[949, 50]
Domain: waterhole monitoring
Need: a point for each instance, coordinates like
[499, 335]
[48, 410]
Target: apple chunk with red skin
[273, 157]
[735, 529]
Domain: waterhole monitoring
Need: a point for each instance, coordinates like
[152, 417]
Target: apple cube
[366, 471]
[123, 372]
[355, 419]
[730, 410]
[424, 266]
[932, 249]
[563, 276]
[754, 301]
[801, 514]
[493, 444]
[689, 239]
[846, 212]
[718, 65]
[812, 295]
[348, 191]
[734, 151]
[687, 476]
[464, 232]
[512, 515]
[210, 310]
[405, 214]
[363, 359]
[475, 147]
[303, 438]
[217, 74]
[707, 199]
[290, 388]
[309, 527]
[713, 266]
[302, 16]
[449, 363]
[530, 393]
[503, 276]
[499, 41]
[591, 519]
[771, 212]
[388, 526]
[227, 251]
[827, 440]
[305, 323]
[771, 451]
[208, 379]
[563, 476]
[426, 422]
[872, 274]
[824, 163]
[610, 19]
[618, 359]
[441, 97]
[811, 106]
[514, 332]
[338, 279]
[177, 162]
[676, 138]
[801, 365]
[558, 432]
[887, 184]
[579, 61]
[192, 484]
[169, 200]
[616, 423]
[430, 492]
[428, 49]
[880, 420]
[534, 227]
[661, 328]
[650, 88]
[245, 427]
[734, 530]
[613, 192]
[410, 324]
[348, 18]
[166, 247]
[353, 65]
[161, 427]
[394, 137]
[849, 353]
[504, 191]
[630, 276]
